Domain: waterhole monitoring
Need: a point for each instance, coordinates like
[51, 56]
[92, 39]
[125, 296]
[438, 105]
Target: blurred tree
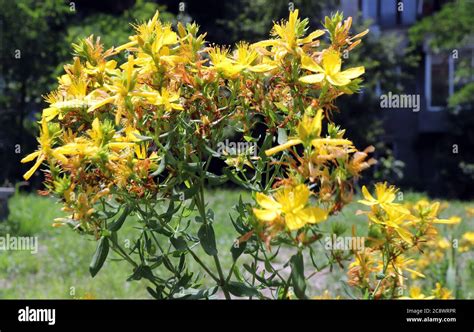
[114, 28]
[30, 49]
[35, 42]
[251, 20]
[451, 31]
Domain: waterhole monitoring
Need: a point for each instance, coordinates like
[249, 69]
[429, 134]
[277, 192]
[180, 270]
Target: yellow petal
[261, 68]
[100, 104]
[317, 142]
[30, 157]
[404, 234]
[71, 149]
[450, 221]
[50, 113]
[371, 200]
[265, 215]
[33, 169]
[331, 62]
[125, 46]
[177, 107]
[352, 73]
[265, 43]
[311, 79]
[267, 202]
[313, 35]
[293, 221]
[59, 156]
[300, 195]
[313, 215]
[421, 275]
[120, 145]
[338, 79]
[282, 147]
[308, 63]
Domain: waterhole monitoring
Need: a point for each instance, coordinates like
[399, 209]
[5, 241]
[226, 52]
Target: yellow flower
[385, 196]
[401, 264]
[429, 213]
[307, 129]
[222, 62]
[289, 35]
[470, 211]
[469, 237]
[443, 243]
[310, 128]
[442, 293]
[45, 150]
[168, 99]
[399, 221]
[330, 70]
[289, 203]
[245, 57]
[309, 132]
[416, 294]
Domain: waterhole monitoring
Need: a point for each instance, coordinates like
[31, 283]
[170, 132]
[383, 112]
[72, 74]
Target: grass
[60, 268]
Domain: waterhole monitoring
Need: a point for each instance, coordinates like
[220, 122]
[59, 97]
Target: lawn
[60, 268]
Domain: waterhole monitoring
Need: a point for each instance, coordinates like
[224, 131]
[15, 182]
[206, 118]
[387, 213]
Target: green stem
[202, 211]
[223, 282]
[119, 250]
[200, 262]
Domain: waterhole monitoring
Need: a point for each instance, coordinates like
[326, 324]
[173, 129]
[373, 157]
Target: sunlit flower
[385, 197]
[330, 70]
[44, 151]
[290, 205]
[442, 293]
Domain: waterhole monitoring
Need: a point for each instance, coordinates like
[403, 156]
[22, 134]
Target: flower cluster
[133, 131]
[402, 242]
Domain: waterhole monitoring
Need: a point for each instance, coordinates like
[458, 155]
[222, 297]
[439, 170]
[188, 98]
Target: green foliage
[29, 215]
[63, 259]
[250, 20]
[114, 29]
[451, 31]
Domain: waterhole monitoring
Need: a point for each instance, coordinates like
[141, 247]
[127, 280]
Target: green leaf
[237, 249]
[297, 275]
[281, 107]
[142, 271]
[99, 256]
[196, 294]
[240, 290]
[117, 224]
[157, 294]
[179, 243]
[208, 239]
[215, 179]
[161, 167]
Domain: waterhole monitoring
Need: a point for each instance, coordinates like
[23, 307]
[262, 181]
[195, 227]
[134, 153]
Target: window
[439, 80]
[385, 12]
[409, 12]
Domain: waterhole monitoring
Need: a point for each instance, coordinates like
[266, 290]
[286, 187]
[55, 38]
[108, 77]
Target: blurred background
[421, 48]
